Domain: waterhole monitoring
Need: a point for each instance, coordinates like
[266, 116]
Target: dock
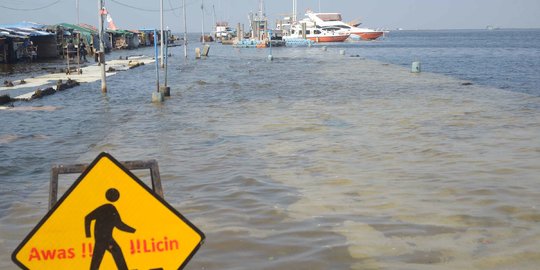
[87, 74]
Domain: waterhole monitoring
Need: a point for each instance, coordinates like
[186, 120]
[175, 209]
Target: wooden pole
[102, 47]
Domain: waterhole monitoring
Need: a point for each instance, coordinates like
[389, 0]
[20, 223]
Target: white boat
[334, 21]
[223, 31]
[315, 32]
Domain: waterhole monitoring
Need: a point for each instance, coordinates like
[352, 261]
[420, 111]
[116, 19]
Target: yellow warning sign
[109, 219]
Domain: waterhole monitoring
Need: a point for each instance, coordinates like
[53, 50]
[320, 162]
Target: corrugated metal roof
[78, 28]
[33, 25]
[6, 32]
[24, 30]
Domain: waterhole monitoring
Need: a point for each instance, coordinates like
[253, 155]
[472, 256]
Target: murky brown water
[314, 161]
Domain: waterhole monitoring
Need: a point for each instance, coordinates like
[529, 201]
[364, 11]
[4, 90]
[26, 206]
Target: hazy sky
[390, 14]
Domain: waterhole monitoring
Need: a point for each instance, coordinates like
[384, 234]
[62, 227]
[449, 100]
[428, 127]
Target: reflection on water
[313, 161]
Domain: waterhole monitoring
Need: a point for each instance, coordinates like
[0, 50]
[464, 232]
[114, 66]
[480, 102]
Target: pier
[87, 74]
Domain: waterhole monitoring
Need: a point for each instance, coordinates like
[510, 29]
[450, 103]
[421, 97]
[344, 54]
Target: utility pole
[101, 57]
[78, 19]
[185, 27]
[214, 17]
[202, 30]
[166, 62]
[161, 11]
[157, 64]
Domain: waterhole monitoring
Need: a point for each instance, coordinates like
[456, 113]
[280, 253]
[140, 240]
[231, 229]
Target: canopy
[24, 29]
[77, 28]
[33, 25]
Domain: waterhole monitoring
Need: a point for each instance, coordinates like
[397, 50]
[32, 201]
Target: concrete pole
[161, 23]
[166, 55]
[157, 96]
[157, 63]
[185, 27]
[102, 48]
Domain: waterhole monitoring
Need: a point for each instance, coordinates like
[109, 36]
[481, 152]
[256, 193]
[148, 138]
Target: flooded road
[312, 161]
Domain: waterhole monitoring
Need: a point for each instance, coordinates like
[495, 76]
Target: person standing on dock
[82, 51]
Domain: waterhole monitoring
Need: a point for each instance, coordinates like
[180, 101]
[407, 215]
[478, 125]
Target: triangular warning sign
[109, 219]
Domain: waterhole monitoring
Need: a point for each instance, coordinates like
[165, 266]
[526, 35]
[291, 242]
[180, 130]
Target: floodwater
[312, 161]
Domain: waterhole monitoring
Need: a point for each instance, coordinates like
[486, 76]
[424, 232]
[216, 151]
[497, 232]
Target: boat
[223, 31]
[249, 43]
[334, 20]
[316, 33]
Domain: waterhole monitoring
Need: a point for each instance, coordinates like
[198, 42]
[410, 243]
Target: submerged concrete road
[89, 74]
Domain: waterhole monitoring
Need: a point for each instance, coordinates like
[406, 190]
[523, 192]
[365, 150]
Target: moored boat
[334, 20]
[223, 31]
[317, 34]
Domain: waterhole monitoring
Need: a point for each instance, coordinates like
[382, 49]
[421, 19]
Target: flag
[112, 26]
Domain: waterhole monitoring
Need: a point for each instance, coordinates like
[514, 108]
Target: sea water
[314, 160]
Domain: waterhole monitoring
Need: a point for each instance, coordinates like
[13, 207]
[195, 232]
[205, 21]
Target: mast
[294, 11]
[261, 21]
[261, 8]
[214, 9]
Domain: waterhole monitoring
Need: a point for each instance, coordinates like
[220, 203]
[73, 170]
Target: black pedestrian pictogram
[107, 218]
